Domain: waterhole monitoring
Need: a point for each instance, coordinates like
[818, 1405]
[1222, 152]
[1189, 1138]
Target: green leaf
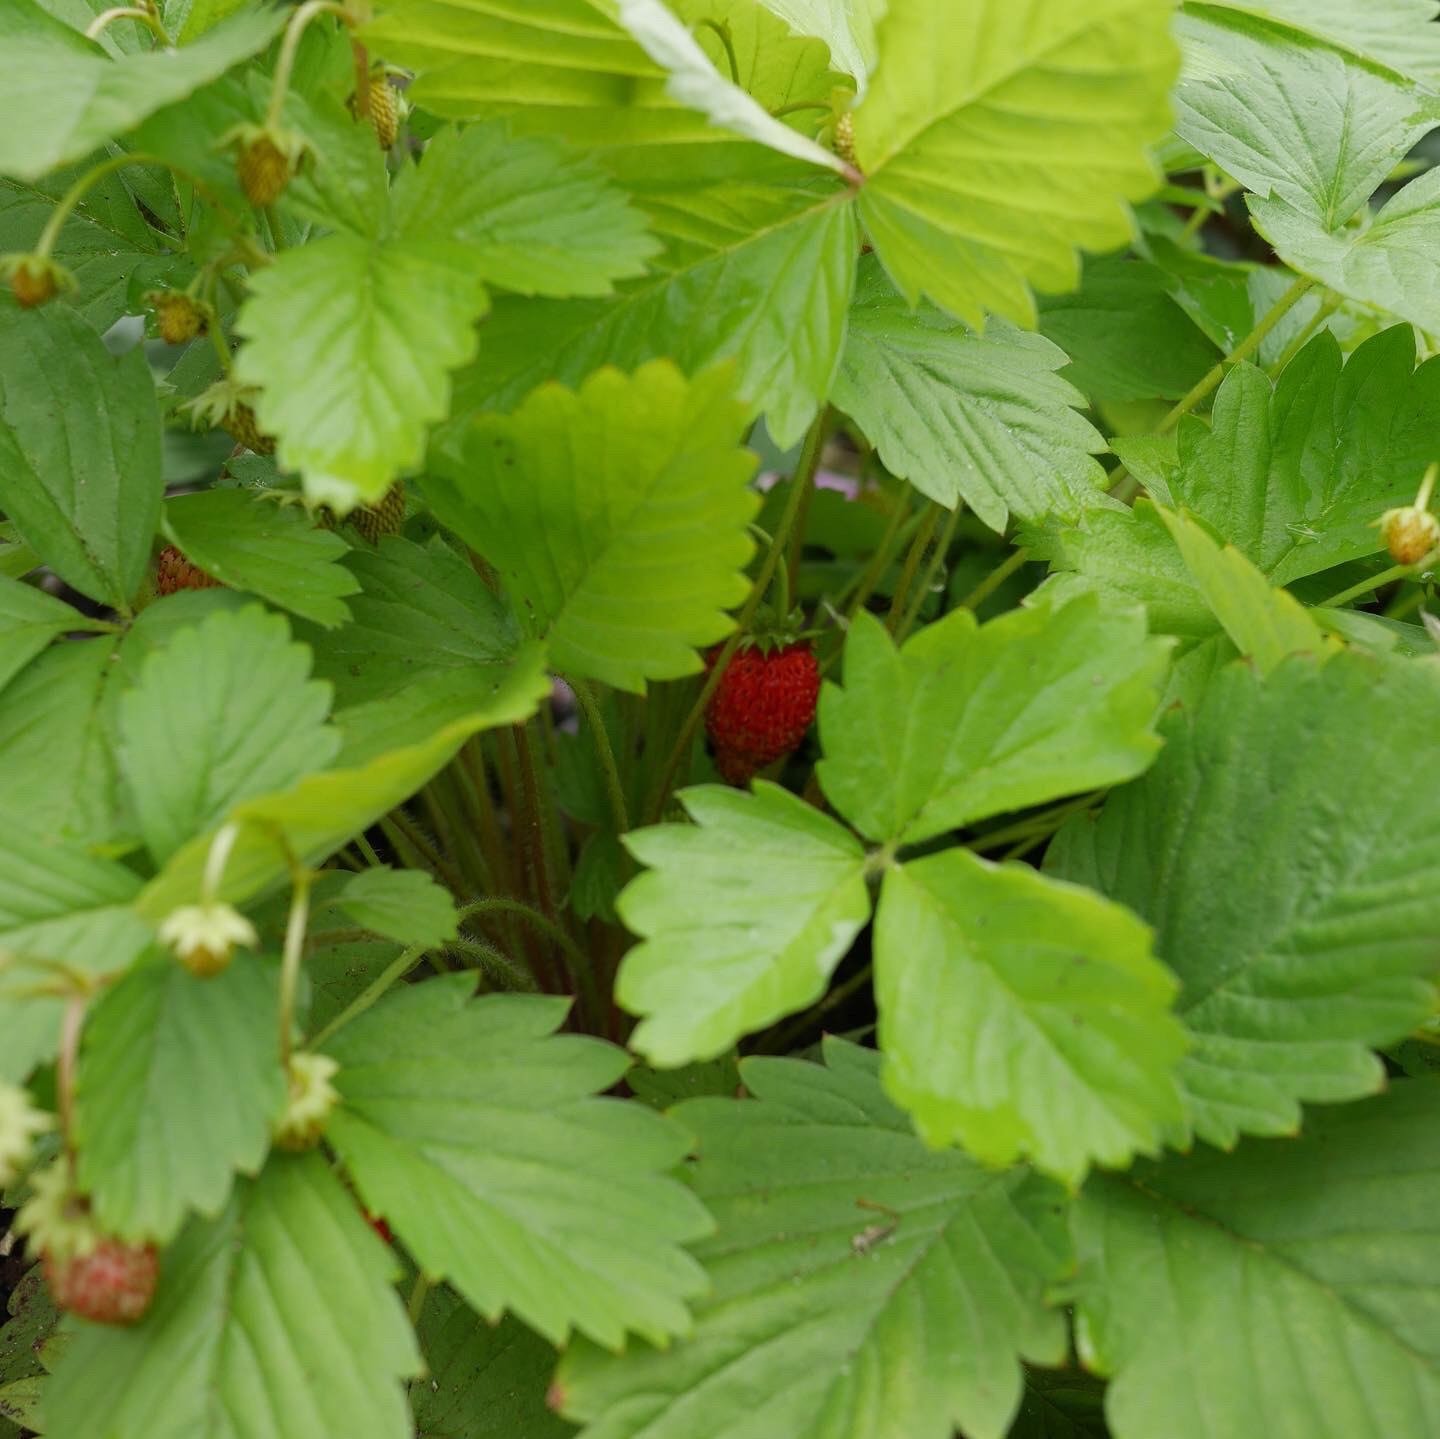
[969, 721]
[1299, 942]
[1198, 1275]
[758, 267]
[280, 1313]
[198, 736]
[353, 341]
[1266, 624]
[532, 217]
[405, 905]
[846, 26]
[79, 450]
[1294, 474]
[74, 97]
[994, 146]
[623, 510]
[862, 1284]
[269, 550]
[29, 620]
[313, 818]
[178, 1083]
[472, 1127]
[1021, 1017]
[744, 916]
[1125, 336]
[979, 418]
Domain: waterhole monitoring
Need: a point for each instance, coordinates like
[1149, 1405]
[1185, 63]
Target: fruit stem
[938, 551]
[129, 12]
[70, 1029]
[992, 582]
[800, 482]
[1395, 572]
[216, 861]
[916, 553]
[362, 81]
[604, 752]
[1427, 487]
[396, 970]
[723, 31]
[76, 193]
[290, 47]
[290, 959]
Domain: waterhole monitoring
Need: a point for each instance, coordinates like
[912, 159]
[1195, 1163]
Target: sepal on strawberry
[20, 1122]
[267, 158]
[308, 1103]
[1410, 533]
[35, 279]
[230, 406]
[203, 936]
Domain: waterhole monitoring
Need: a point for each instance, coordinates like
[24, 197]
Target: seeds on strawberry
[762, 707]
[240, 421]
[385, 517]
[113, 1283]
[266, 159]
[384, 110]
[174, 572]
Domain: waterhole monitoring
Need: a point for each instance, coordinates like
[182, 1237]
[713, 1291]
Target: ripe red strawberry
[113, 1283]
[174, 572]
[762, 707]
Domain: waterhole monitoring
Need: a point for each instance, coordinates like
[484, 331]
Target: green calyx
[56, 1218]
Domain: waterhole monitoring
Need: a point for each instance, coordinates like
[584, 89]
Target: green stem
[418, 1295]
[802, 480]
[1395, 572]
[797, 105]
[1247, 347]
[994, 579]
[918, 546]
[604, 752]
[1323, 311]
[367, 849]
[76, 193]
[723, 31]
[938, 551]
[500, 904]
[290, 47]
[290, 958]
[865, 581]
[396, 970]
[1046, 822]
[128, 12]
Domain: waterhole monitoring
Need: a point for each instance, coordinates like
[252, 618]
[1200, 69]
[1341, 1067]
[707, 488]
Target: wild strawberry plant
[453, 982]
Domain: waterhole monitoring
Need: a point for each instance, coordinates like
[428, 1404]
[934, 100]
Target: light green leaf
[996, 139]
[1282, 1290]
[758, 267]
[979, 418]
[530, 216]
[1390, 264]
[744, 916]
[472, 1127]
[1023, 1018]
[616, 517]
[1266, 624]
[280, 1313]
[404, 905]
[846, 26]
[79, 450]
[1298, 942]
[198, 736]
[862, 1285]
[29, 620]
[694, 81]
[269, 550]
[314, 818]
[179, 1080]
[74, 97]
[969, 721]
[353, 341]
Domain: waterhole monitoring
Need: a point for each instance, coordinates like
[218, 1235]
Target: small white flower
[20, 1122]
[203, 935]
[309, 1103]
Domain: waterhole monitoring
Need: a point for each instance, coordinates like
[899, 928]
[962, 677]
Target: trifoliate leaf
[280, 1313]
[862, 1284]
[979, 418]
[968, 721]
[404, 905]
[1199, 1274]
[179, 1082]
[744, 916]
[1019, 1017]
[472, 1128]
[79, 450]
[1298, 942]
[187, 764]
[996, 140]
[616, 517]
[270, 550]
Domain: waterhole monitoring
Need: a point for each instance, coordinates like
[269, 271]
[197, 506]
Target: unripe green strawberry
[384, 110]
[265, 160]
[845, 137]
[35, 279]
[386, 517]
[763, 705]
[174, 572]
[240, 421]
[1410, 533]
[178, 317]
[229, 404]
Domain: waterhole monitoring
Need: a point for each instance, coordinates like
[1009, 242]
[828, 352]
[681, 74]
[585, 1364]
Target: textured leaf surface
[74, 96]
[616, 518]
[864, 1286]
[846, 26]
[1020, 1017]
[263, 548]
[29, 620]
[79, 451]
[1298, 940]
[997, 137]
[402, 904]
[277, 1318]
[979, 418]
[472, 1127]
[198, 736]
[1200, 1274]
[744, 916]
[968, 721]
[179, 1081]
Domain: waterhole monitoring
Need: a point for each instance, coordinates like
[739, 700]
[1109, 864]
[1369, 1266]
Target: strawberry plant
[717, 719]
